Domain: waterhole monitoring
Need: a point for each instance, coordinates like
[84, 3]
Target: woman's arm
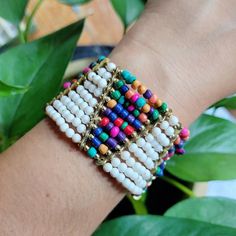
[186, 52]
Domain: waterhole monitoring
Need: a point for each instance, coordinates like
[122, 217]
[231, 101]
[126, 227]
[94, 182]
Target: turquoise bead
[155, 114]
[125, 74]
[121, 100]
[92, 152]
[140, 102]
[101, 58]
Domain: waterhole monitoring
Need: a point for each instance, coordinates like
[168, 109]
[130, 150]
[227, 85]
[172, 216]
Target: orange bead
[153, 99]
[158, 102]
[112, 103]
[177, 141]
[74, 80]
[136, 84]
[129, 94]
[142, 117]
[146, 108]
[103, 149]
[142, 89]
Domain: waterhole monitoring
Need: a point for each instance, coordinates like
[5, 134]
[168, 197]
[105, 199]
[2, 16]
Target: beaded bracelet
[120, 123]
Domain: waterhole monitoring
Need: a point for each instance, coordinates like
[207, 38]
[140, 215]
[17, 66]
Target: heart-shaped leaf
[38, 67]
[157, 225]
[229, 103]
[214, 210]
[210, 153]
[74, 2]
[128, 10]
[13, 10]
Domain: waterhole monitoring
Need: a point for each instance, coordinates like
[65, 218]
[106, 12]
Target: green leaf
[6, 90]
[38, 66]
[210, 153]
[229, 103]
[74, 2]
[128, 10]
[214, 210]
[13, 10]
[139, 205]
[157, 225]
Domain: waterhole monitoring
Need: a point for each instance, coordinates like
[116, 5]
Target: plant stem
[178, 185]
[30, 19]
[138, 205]
[21, 34]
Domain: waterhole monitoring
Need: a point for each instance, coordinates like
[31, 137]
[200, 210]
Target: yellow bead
[146, 108]
[103, 149]
[158, 102]
[142, 89]
[136, 84]
[112, 103]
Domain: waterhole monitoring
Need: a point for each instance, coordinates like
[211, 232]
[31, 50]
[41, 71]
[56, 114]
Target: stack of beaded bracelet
[120, 123]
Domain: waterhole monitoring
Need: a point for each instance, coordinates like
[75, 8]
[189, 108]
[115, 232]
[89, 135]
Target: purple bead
[147, 94]
[151, 110]
[180, 145]
[111, 142]
[180, 151]
[130, 118]
[107, 112]
[109, 126]
[121, 137]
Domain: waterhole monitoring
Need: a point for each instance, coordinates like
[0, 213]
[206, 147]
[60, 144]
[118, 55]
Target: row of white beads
[64, 127]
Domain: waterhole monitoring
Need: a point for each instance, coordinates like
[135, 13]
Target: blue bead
[107, 112]
[124, 88]
[92, 65]
[137, 124]
[180, 145]
[130, 118]
[101, 58]
[112, 116]
[162, 165]
[118, 108]
[97, 131]
[112, 143]
[96, 142]
[109, 126]
[124, 113]
[147, 94]
[121, 100]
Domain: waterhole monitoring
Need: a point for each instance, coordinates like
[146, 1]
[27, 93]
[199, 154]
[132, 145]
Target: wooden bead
[129, 94]
[153, 99]
[136, 84]
[112, 103]
[103, 149]
[158, 102]
[142, 89]
[146, 108]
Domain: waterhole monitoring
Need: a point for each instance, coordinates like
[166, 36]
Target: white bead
[130, 161]
[57, 104]
[70, 132]
[93, 102]
[88, 97]
[91, 75]
[65, 113]
[126, 183]
[158, 147]
[79, 88]
[125, 155]
[96, 79]
[98, 92]
[137, 190]
[147, 174]
[111, 66]
[164, 124]
[147, 146]
[101, 71]
[60, 121]
[76, 121]
[81, 128]
[114, 172]
[115, 162]
[76, 138]
[70, 105]
[79, 113]
[131, 187]
[62, 108]
[49, 108]
[88, 110]
[137, 167]
[122, 167]
[65, 100]
[83, 105]
[107, 167]
[141, 142]
[85, 119]
[156, 131]
[83, 93]
[165, 142]
[69, 117]
[120, 177]
[107, 75]
[170, 131]
[149, 163]
[173, 120]
[92, 88]
[142, 156]
[149, 138]
[155, 156]
[133, 147]
[102, 83]
[134, 175]
[55, 116]
[129, 172]
[64, 127]
[79, 101]
[72, 93]
[74, 109]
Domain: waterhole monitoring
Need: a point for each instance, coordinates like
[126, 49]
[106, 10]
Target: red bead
[128, 130]
[118, 122]
[104, 121]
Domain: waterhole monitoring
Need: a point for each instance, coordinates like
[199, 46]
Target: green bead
[115, 94]
[101, 58]
[128, 77]
[92, 152]
[140, 102]
[131, 79]
[126, 104]
[136, 113]
[124, 125]
[118, 84]
[103, 137]
[163, 107]
[155, 115]
[121, 100]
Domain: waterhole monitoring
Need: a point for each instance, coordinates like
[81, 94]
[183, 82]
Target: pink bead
[184, 133]
[134, 98]
[86, 70]
[153, 99]
[131, 108]
[114, 131]
[66, 85]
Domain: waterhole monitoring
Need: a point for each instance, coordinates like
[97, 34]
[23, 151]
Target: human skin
[184, 51]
